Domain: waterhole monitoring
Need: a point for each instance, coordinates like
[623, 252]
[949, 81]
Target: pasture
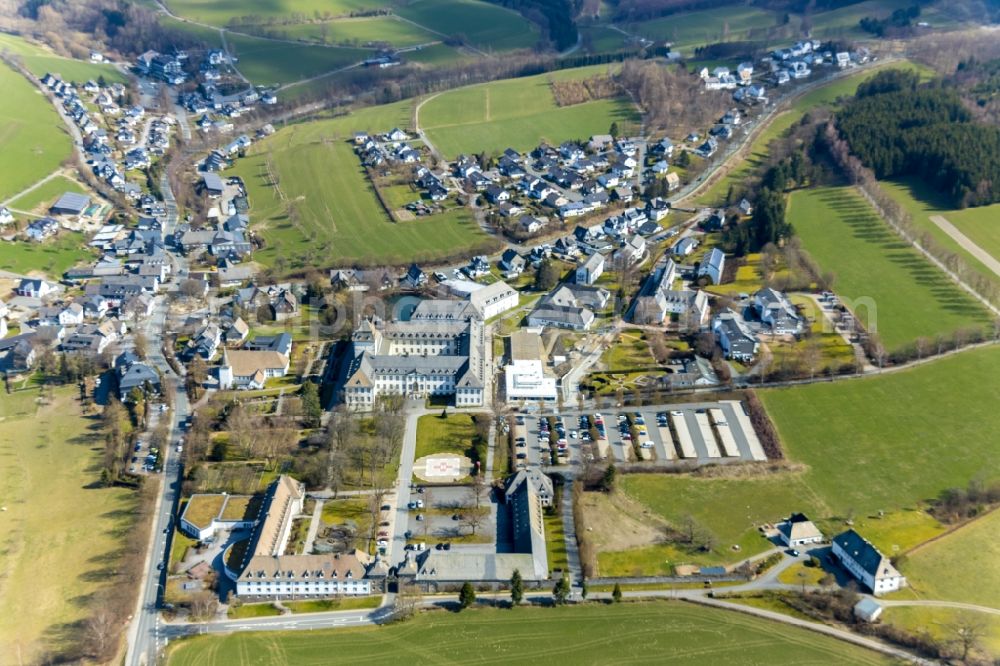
[55, 521]
[892, 289]
[51, 257]
[221, 12]
[653, 632]
[358, 32]
[942, 624]
[689, 29]
[978, 223]
[323, 211]
[40, 61]
[268, 62]
[517, 113]
[485, 26]
[33, 141]
[38, 200]
[961, 566]
[857, 447]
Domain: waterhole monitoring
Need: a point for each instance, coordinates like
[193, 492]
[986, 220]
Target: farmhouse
[798, 531]
[34, 288]
[866, 563]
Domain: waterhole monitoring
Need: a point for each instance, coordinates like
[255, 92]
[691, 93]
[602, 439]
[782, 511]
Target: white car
[647, 444]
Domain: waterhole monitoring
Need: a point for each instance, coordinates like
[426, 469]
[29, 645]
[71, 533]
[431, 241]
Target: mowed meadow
[33, 141]
[893, 289]
[58, 527]
[518, 113]
[314, 206]
[650, 632]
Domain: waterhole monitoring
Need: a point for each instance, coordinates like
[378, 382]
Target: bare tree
[478, 490]
[100, 629]
[473, 518]
[967, 635]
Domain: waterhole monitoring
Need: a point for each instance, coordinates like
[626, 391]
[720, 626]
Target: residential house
[133, 374]
[569, 306]
[41, 229]
[34, 288]
[798, 530]
[415, 277]
[737, 341]
[236, 331]
[246, 369]
[866, 563]
[512, 263]
[712, 266]
[631, 252]
[777, 312]
[591, 269]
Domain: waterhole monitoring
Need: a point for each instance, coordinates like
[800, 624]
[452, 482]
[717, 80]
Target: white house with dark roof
[712, 265]
[798, 530]
[866, 563]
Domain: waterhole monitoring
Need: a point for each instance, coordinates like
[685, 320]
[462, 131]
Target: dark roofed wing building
[866, 563]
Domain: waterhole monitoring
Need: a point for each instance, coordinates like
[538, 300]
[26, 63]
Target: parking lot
[686, 434]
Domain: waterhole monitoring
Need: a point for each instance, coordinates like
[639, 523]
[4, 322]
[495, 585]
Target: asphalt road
[145, 637]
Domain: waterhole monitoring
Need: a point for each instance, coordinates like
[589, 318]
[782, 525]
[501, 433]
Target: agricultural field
[485, 26]
[55, 520]
[517, 113]
[690, 29]
[222, 12]
[358, 32]
[897, 292]
[38, 200]
[943, 623]
[594, 633]
[33, 141]
[40, 61]
[323, 211]
[897, 441]
[978, 224]
[51, 257]
[267, 62]
[960, 566]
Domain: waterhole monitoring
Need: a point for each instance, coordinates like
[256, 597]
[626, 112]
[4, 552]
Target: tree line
[899, 127]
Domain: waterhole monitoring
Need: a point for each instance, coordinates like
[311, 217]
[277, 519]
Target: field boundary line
[954, 529]
[967, 243]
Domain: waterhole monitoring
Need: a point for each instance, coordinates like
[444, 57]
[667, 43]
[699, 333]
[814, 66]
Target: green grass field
[339, 218]
[33, 141]
[689, 29]
[960, 566]
[51, 257]
[655, 632]
[942, 624]
[40, 61]
[221, 12]
[485, 26]
[60, 533]
[451, 435]
[885, 443]
[359, 31]
[267, 62]
[39, 199]
[921, 203]
[885, 281]
[517, 113]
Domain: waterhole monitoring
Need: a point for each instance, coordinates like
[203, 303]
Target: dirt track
[967, 244]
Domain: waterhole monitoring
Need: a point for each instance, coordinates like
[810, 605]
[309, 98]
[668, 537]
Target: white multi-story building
[435, 353]
[494, 299]
[866, 563]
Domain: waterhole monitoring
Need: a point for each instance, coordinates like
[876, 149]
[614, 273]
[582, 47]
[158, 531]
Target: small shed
[867, 610]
